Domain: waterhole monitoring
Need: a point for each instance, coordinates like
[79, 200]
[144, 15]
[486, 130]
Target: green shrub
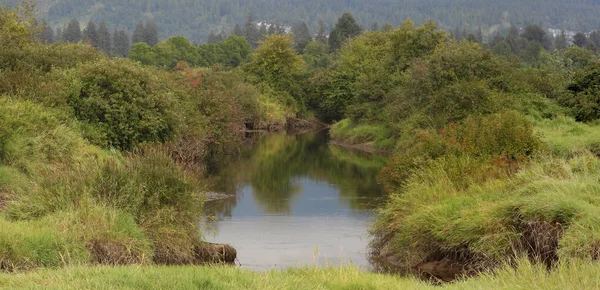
[498, 140]
[377, 136]
[127, 103]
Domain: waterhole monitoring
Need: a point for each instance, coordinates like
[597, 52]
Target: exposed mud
[539, 241]
[107, 252]
[210, 253]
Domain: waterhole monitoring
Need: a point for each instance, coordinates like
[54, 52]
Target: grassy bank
[576, 275]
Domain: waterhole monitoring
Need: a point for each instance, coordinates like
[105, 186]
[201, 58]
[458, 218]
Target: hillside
[195, 19]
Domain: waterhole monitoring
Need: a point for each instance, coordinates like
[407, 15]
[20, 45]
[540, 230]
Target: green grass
[375, 136]
[486, 221]
[575, 275]
[566, 137]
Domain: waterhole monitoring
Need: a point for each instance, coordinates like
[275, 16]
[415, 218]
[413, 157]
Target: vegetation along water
[394, 156]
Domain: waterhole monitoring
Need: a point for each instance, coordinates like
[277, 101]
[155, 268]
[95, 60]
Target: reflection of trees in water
[273, 163]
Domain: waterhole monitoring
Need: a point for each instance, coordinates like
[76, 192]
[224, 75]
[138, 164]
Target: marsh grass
[522, 275]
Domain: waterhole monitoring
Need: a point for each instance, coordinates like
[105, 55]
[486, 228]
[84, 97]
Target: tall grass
[523, 275]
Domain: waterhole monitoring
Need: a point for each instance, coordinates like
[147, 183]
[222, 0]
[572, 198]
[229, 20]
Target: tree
[346, 27]
[90, 34]
[73, 32]
[251, 31]
[580, 39]
[143, 53]
[121, 43]
[537, 34]
[151, 33]
[262, 31]
[301, 36]
[214, 38]
[138, 33]
[275, 62]
[104, 39]
[237, 30]
[561, 41]
[46, 34]
[321, 33]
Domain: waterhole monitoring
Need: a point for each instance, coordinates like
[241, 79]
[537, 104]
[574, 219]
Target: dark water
[298, 201]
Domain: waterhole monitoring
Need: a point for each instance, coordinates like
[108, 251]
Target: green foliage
[377, 136]
[126, 103]
[275, 62]
[486, 221]
[345, 28]
[586, 88]
[507, 136]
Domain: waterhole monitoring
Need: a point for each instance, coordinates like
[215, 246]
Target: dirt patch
[209, 253]
[540, 241]
[107, 252]
[3, 201]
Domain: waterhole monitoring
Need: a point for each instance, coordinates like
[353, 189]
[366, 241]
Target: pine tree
[73, 32]
[46, 34]
[59, 35]
[151, 33]
[104, 39]
[375, 26]
[301, 36]
[561, 41]
[251, 31]
[90, 34]
[138, 33]
[121, 43]
[321, 33]
[214, 38]
[346, 27]
[262, 31]
[580, 39]
[237, 30]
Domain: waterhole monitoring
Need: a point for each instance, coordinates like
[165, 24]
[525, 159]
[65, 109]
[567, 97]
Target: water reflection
[297, 188]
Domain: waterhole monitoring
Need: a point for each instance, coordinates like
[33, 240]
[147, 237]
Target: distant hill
[195, 19]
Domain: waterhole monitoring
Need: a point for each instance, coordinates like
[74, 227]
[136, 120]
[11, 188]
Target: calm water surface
[298, 201]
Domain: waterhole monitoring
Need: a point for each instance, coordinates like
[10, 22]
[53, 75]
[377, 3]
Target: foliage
[127, 104]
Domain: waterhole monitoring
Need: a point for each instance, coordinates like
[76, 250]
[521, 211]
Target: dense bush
[505, 137]
[127, 104]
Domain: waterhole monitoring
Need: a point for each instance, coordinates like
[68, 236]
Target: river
[296, 200]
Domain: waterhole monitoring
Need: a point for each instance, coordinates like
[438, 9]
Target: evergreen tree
[271, 29]
[237, 30]
[121, 43]
[561, 41]
[387, 27]
[262, 31]
[375, 26]
[138, 33]
[346, 27]
[90, 34]
[104, 39]
[594, 39]
[580, 39]
[214, 38]
[251, 31]
[73, 32]
[59, 35]
[321, 33]
[46, 34]
[151, 33]
[302, 36]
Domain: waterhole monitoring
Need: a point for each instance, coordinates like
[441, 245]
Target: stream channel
[296, 200]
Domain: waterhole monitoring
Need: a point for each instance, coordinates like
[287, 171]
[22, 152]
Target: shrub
[506, 137]
[128, 104]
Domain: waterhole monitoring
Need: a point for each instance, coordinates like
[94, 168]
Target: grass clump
[375, 136]
[547, 211]
[566, 137]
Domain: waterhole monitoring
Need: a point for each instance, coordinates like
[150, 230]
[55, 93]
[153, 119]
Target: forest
[493, 149]
[195, 20]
